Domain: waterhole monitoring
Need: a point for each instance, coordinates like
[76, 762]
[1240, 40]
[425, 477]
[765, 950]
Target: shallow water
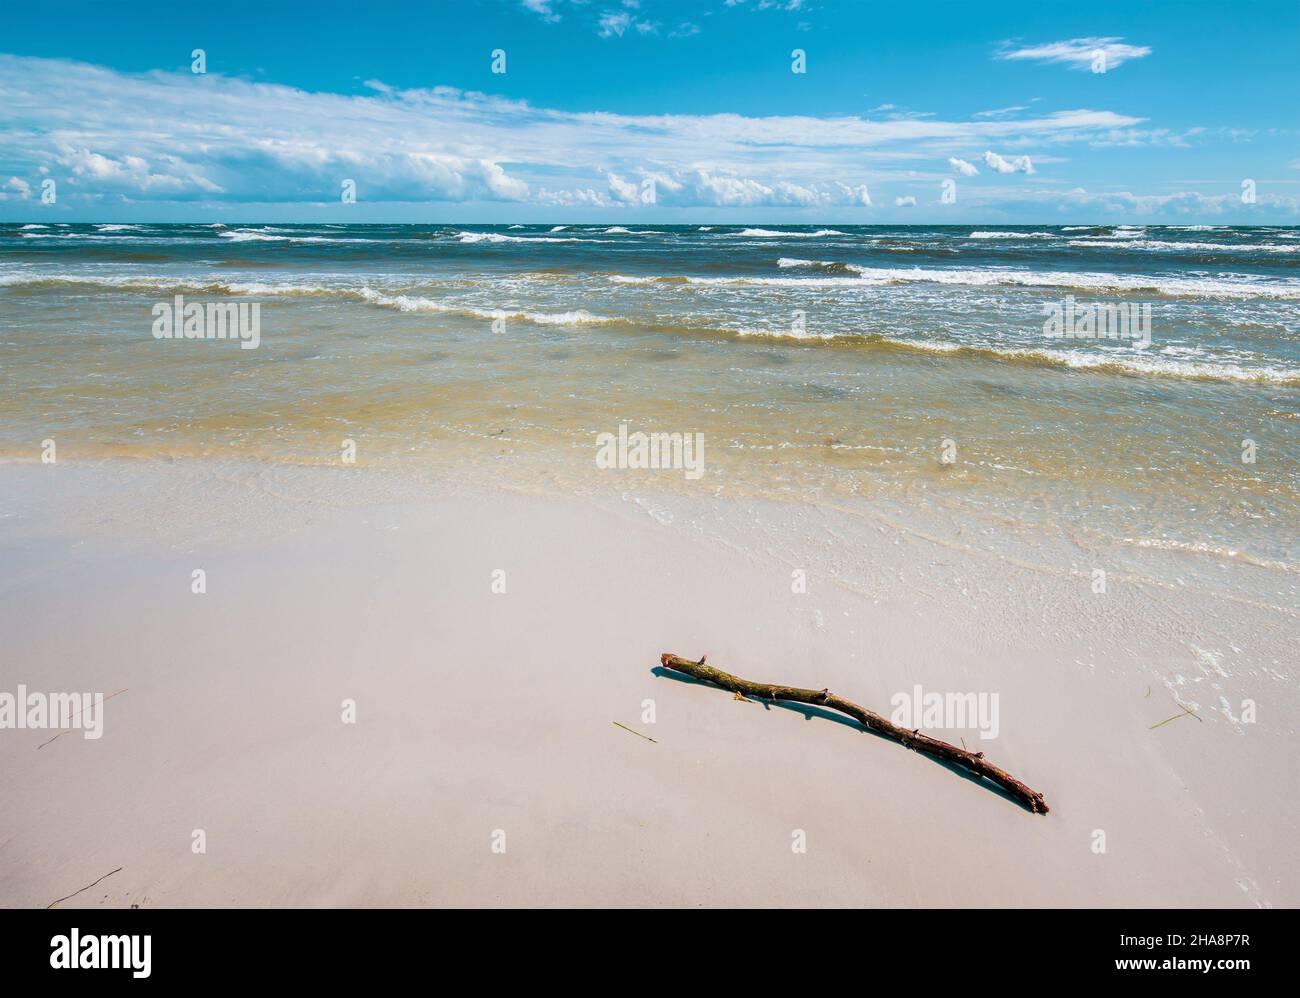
[816, 361]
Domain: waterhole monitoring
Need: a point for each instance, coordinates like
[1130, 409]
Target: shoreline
[480, 711]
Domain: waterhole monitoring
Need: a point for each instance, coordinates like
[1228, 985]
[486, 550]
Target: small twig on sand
[637, 733]
[1185, 712]
[86, 888]
[974, 762]
[78, 714]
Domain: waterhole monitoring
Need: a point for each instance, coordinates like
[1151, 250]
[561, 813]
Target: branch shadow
[809, 712]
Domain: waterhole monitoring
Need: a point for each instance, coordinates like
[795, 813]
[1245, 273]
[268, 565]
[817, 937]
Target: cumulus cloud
[962, 167]
[133, 173]
[1016, 164]
[1079, 53]
[701, 187]
[855, 195]
[905, 202]
[622, 191]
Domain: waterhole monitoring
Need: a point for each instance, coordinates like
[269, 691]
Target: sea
[1123, 385]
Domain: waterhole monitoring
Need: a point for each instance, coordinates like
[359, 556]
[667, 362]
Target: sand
[484, 767]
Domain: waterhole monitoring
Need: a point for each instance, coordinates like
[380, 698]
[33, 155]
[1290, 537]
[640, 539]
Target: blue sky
[604, 105]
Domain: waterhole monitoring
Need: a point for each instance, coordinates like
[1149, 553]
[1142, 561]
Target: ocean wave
[253, 289]
[833, 274]
[276, 236]
[163, 284]
[498, 237]
[829, 266]
[633, 279]
[409, 303]
[119, 239]
[1101, 362]
[33, 225]
[1104, 360]
[1107, 231]
[1013, 235]
[1181, 287]
[775, 234]
[1167, 246]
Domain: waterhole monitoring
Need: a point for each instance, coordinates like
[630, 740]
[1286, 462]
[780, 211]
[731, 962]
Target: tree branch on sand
[974, 762]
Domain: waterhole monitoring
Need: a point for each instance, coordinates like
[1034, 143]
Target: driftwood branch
[913, 739]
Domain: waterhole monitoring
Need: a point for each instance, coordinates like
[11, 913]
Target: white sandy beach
[479, 711]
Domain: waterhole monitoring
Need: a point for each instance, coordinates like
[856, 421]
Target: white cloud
[164, 136]
[1016, 164]
[542, 7]
[701, 187]
[855, 195]
[1079, 53]
[133, 173]
[788, 5]
[1001, 112]
[905, 202]
[962, 167]
[621, 190]
[615, 24]
[18, 184]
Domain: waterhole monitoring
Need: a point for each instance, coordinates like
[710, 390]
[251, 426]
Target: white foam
[497, 237]
[1013, 235]
[1220, 287]
[408, 303]
[1167, 246]
[774, 234]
